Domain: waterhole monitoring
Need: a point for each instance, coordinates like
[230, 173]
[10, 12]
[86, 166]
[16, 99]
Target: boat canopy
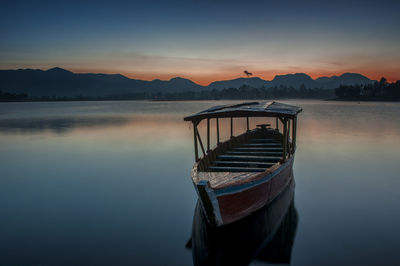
[247, 109]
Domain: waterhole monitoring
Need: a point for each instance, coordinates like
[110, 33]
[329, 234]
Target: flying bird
[247, 73]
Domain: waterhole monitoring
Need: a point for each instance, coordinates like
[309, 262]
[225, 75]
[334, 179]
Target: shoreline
[156, 100]
[183, 100]
[363, 100]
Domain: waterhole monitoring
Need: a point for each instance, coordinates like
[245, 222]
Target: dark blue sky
[203, 40]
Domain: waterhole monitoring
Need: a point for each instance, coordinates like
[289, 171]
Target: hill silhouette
[58, 82]
[296, 81]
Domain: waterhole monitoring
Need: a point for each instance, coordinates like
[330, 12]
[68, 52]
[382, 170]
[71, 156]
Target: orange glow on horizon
[266, 75]
[205, 79]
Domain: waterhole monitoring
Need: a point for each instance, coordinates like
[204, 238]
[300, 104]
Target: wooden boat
[246, 172]
[267, 235]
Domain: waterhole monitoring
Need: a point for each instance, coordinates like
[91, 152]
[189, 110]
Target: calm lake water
[108, 183]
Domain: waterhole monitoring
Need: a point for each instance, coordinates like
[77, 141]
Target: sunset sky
[203, 40]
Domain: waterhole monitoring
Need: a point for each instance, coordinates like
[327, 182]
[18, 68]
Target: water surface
[105, 183]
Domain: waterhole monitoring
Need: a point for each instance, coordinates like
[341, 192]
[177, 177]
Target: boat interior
[244, 156]
[253, 151]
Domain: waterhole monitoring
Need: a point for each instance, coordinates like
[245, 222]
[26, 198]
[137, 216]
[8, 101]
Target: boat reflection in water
[265, 236]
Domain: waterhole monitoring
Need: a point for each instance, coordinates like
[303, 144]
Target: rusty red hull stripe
[234, 206]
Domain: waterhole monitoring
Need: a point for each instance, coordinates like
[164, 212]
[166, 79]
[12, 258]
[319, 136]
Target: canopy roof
[247, 109]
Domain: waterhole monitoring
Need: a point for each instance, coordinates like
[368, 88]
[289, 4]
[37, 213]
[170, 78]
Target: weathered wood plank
[255, 153]
[247, 158]
[261, 145]
[244, 163]
[264, 141]
[236, 169]
[258, 149]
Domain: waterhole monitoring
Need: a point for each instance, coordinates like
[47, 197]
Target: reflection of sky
[150, 117]
[118, 193]
[203, 40]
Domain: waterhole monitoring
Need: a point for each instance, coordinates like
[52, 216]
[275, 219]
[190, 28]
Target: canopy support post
[284, 140]
[231, 127]
[288, 148]
[208, 135]
[294, 134]
[283, 122]
[217, 121]
[201, 143]
[276, 123]
[248, 123]
[196, 152]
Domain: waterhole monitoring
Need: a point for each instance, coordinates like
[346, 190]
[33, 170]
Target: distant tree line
[6, 97]
[381, 90]
[247, 92]
[242, 93]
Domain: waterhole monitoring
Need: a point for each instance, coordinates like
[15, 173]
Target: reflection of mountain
[266, 236]
[57, 125]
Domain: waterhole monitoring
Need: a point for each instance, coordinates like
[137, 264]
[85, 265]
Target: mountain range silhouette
[63, 83]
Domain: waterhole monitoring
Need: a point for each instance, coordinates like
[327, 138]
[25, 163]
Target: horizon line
[168, 77]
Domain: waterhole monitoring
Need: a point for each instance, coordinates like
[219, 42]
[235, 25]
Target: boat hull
[227, 205]
[267, 235]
